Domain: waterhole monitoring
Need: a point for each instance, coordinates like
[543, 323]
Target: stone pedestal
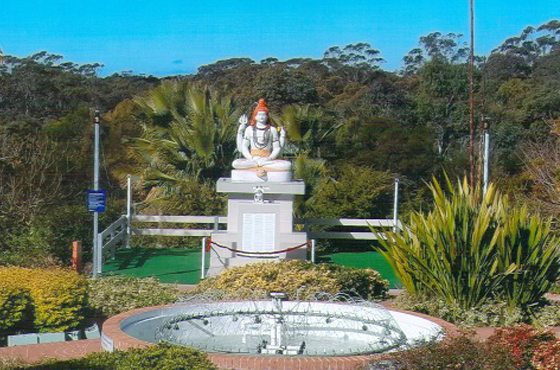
[256, 225]
[250, 175]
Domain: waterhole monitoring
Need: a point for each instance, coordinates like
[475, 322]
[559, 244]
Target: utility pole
[471, 94]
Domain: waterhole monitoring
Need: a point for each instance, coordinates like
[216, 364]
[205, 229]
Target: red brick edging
[122, 341]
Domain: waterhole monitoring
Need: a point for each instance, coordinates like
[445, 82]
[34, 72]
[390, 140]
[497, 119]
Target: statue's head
[260, 114]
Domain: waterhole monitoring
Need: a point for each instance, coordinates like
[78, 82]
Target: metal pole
[396, 207]
[471, 94]
[99, 255]
[203, 267]
[96, 251]
[313, 241]
[486, 158]
[128, 209]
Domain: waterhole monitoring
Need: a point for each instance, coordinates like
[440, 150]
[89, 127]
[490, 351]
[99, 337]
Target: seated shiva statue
[260, 144]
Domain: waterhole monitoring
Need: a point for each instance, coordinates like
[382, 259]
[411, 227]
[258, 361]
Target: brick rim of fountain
[119, 340]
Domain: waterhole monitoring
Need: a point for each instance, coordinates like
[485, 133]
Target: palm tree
[312, 171]
[188, 134]
[306, 128]
[306, 131]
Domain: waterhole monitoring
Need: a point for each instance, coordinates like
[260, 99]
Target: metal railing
[121, 230]
[215, 221]
[347, 222]
[341, 234]
[108, 239]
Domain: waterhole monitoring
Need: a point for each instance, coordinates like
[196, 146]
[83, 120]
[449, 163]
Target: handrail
[355, 235]
[113, 227]
[365, 222]
[173, 232]
[180, 219]
[216, 220]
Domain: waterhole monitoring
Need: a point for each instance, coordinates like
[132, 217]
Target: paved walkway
[35, 353]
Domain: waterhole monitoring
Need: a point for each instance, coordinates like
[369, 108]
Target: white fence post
[203, 263]
[99, 254]
[486, 158]
[128, 209]
[313, 250]
[396, 207]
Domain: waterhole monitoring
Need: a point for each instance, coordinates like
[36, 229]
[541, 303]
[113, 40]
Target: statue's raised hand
[243, 121]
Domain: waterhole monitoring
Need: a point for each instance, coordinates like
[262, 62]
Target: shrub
[10, 363]
[487, 313]
[512, 348]
[357, 192]
[111, 295]
[297, 279]
[28, 246]
[462, 352]
[470, 249]
[58, 295]
[522, 342]
[15, 308]
[47, 240]
[547, 315]
[161, 357]
[547, 356]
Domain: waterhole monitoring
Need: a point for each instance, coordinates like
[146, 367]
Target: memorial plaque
[259, 232]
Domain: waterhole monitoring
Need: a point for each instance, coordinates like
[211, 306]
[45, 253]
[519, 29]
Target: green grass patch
[182, 266]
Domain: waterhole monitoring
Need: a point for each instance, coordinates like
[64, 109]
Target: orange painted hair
[261, 107]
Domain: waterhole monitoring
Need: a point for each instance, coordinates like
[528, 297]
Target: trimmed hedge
[112, 295]
[297, 279]
[58, 296]
[15, 308]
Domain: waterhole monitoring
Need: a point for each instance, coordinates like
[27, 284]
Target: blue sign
[96, 200]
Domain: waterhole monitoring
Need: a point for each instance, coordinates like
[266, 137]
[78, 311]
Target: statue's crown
[260, 107]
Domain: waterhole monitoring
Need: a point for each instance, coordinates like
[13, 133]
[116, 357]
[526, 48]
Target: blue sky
[170, 36]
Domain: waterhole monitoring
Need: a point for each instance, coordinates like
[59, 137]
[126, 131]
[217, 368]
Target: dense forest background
[352, 127]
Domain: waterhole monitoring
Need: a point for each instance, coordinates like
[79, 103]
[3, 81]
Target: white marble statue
[260, 144]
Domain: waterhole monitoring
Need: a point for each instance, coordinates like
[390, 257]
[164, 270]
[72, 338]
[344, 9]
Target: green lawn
[182, 266]
[369, 259]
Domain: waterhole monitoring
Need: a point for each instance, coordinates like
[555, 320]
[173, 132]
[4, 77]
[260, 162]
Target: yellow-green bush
[297, 279]
[161, 357]
[58, 296]
[112, 295]
[15, 307]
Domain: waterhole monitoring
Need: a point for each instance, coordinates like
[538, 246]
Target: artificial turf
[182, 266]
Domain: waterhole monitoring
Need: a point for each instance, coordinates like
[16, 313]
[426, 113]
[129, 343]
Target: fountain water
[328, 326]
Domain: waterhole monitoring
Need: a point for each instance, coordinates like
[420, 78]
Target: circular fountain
[282, 328]
[337, 326]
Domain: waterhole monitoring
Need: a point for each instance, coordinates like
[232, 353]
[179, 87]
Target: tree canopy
[349, 122]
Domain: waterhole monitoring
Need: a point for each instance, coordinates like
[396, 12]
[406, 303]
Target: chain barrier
[210, 243]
